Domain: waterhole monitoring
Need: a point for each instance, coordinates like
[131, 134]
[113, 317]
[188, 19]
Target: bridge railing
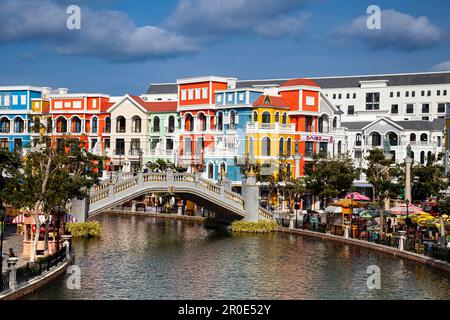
[210, 186]
[151, 177]
[266, 213]
[233, 196]
[121, 186]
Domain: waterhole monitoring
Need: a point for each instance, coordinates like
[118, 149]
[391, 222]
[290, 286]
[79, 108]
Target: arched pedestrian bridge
[219, 198]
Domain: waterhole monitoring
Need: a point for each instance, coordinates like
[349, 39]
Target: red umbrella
[357, 196]
[401, 209]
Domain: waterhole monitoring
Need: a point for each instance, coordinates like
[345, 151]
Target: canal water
[149, 258]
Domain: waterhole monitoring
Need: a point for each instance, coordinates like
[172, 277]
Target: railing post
[111, 190]
[12, 273]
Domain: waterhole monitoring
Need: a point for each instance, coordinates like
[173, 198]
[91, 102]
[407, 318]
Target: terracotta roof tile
[300, 82]
[158, 106]
[274, 101]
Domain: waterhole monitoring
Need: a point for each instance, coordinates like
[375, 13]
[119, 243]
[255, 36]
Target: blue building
[233, 113]
[15, 109]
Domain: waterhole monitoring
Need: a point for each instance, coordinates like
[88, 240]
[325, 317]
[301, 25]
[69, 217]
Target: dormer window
[267, 100]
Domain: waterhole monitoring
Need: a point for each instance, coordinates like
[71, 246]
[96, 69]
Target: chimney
[46, 91]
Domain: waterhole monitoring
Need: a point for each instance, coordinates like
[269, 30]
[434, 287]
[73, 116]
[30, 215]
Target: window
[424, 137]
[398, 94]
[205, 93]
[49, 125]
[334, 95]
[189, 123]
[135, 147]
[183, 95]
[233, 120]
[376, 139]
[277, 117]
[169, 144]
[77, 104]
[94, 104]
[201, 118]
[120, 147]
[190, 94]
[197, 93]
[391, 95]
[241, 97]
[354, 96]
[266, 117]
[284, 118]
[76, 125]
[94, 128]
[394, 109]
[323, 148]
[171, 127]
[310, 101]
[219, 98]
[308, 123]
[19, 125]
[358, 154]
[156, 124]
[58, 105]
[358, 140]
[17, 144]
[93, 143]
[67, 104]
[340, 95]
[210, 170]
[4, 125]
[15, 100]
[348, 95]
[441, 108]
[154, 143]
[423, 93]
[438, 92]
[61, 125]
[219, 125]
[309, 149]
[108, 125]
[4, 145]
[23, 99]
[289, 147]
[351, 110]
[265, 152]
[137, 124]
[412, 137]
[230, 98]
[407, 94]
[428, 93]
[281, 149]
[107, 143]
[409, 108]
[413, 94]
[445, 92]
[373, 101]
[425, 108]
[7, 101]
[426, 118]
[422, 157]
[121, 125]
[255, 116]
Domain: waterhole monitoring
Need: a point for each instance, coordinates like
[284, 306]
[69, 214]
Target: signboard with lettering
[316, 138]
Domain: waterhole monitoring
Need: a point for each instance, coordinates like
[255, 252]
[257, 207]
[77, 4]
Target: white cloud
[444, 66]
[110, 35]
[213, 18]
[399, 31]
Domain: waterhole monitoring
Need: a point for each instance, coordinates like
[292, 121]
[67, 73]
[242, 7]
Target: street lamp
[352, 196]
[407, 220]
[2, 231]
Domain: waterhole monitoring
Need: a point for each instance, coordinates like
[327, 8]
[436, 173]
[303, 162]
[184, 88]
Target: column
[12, 273]
[408, 162]
[251, 198]
[297, 159]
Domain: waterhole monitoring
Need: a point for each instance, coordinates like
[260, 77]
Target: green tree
[51, 175]
[9, 176]
[329, 178]
[428, 180]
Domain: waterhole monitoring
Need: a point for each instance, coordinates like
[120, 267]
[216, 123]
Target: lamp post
[352, 196]
[407, 220]
[2, 231]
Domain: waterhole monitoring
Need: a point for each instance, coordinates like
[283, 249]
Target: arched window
[423, 137]
[335, 122]
[121, 124]
[171, 128]
[4, 125]
[223, 169]
[201, 121]
[107, 125]
[61, 125]
[277, 117]
[323, 124]
[255, 116]
[136, 124]
[265, 147]
[266, 117]
[358, 139]
[393, 138]
[188, 122]
[156, 124]
[76, 125]
[220, 121]
[281, 149]
[376, 139]
[19, 125]
[232, 120]
[339, 148]
[94, 124]
[289, 147]
[429, 155]
[211, 170]
[285, 118]
[250, 146]
[422, 157]
[412, 138]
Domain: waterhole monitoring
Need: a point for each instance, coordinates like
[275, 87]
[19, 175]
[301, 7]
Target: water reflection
[149, 258]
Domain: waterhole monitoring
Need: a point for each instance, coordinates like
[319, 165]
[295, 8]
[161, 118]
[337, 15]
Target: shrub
[253, 227]
[88, 229]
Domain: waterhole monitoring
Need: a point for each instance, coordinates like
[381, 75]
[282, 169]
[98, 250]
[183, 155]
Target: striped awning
[21, 219]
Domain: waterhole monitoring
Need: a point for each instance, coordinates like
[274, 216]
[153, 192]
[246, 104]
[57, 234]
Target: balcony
[159, 152]
[271, 126]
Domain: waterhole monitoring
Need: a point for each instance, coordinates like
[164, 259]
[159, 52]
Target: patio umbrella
[347, 203]
[21, 219]
[357, 196]
[333, 209]
[401, 209]
[366, 215]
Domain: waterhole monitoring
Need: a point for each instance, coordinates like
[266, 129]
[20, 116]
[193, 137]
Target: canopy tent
[357, 196]
[333, 209]
[348, 203]
[66, 218]
[401, 209]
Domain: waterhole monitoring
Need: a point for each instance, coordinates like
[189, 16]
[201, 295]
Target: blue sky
[124, 45]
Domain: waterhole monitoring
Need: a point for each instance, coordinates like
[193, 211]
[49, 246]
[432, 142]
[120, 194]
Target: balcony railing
[135, 152]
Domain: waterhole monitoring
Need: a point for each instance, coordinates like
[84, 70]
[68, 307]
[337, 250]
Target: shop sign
[316, 138]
